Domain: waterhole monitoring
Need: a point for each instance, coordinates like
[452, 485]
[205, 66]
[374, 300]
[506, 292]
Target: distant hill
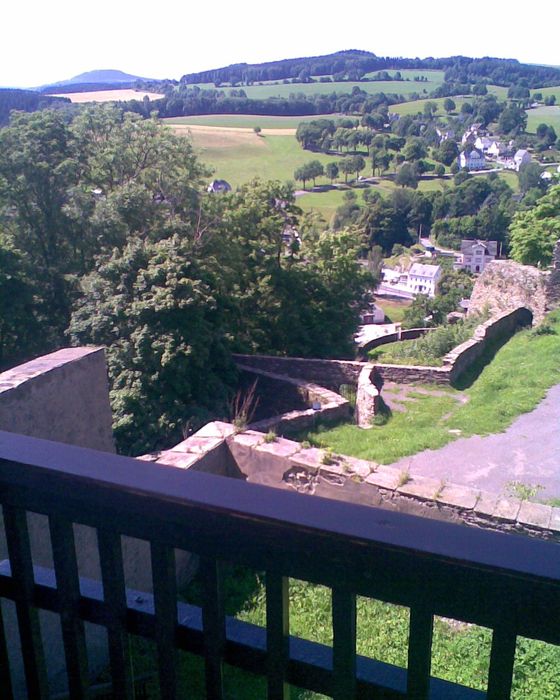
[100, 76]
[94, 80]
[354, 64]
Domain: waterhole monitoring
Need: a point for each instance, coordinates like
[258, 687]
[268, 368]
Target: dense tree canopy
[534, 233]
[104, 217]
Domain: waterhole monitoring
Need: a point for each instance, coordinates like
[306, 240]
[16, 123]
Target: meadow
[405, 87]
[543, 115]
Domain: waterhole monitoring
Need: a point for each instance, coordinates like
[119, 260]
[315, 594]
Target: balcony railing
[505, 582]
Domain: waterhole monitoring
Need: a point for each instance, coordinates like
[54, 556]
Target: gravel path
[527, 452]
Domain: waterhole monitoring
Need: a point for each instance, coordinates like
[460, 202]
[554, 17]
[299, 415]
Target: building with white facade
[475, 255]
[423, 279]
[472, 161]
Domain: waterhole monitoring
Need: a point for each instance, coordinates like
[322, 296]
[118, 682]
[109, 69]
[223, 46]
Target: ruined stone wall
[327, 373]
[403, 334]
[460, 358]
[319, 403]
[505, 285]
[285, 464]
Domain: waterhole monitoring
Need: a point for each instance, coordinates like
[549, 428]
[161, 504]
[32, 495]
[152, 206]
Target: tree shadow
[468, 377]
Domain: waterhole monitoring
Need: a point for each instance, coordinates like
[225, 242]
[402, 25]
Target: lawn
[394, 310]
[493, 400]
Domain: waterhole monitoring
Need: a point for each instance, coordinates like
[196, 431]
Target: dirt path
[527, 452]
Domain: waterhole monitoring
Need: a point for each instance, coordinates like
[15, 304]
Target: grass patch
[460, 652]
[495, 397]
[394, 310]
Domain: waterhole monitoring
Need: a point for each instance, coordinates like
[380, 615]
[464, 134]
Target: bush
[429, 349]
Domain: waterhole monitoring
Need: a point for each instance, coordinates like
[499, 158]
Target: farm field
[397, 87]
[545, 92]
[416, 106]
[247, 121]
[238, 155]
[543, 115]
[109, 96]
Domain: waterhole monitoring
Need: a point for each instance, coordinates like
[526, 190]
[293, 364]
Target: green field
[248, 121]
[545, 92]
[543, 115]
[397, 87]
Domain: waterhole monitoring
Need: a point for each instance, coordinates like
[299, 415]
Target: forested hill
[25, 101]
[354, 65]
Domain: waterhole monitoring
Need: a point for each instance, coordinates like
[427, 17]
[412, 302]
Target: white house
[423, 279]
[472, 161]
[475, 255]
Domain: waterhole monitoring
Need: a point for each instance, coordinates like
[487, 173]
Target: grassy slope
[496, 398]
[247, 120]
[543, 115]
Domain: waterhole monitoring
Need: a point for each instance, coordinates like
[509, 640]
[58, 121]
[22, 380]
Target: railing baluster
[112, 573]
[68, 587]
[277, 631]
[419, 653]
[344, 644]
[21, 562]
[165, 602]
[5, 677]
[502, 659]
[213, 623]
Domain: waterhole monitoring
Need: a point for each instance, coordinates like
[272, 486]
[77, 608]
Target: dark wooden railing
[505, 582]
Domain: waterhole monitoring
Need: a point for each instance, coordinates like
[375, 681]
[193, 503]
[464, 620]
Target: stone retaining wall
[285, 464]
[322, 404]
[403, 334]
[326, 373]
[461, 357]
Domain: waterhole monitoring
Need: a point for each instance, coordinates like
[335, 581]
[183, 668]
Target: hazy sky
[44, 42]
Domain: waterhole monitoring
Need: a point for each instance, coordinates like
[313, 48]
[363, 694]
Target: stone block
[420, 487]
[458, 496]
[181, 460]
[507, 509]
[486, 503]
[554, 524]
[384, 477]
[310, 458]
[535, 515]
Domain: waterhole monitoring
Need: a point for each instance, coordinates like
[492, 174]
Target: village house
[483, 143]
[475, 255]
[472, 161]
[219, 186]
[424, 279]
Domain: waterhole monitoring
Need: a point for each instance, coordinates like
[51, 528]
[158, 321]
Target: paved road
[528, 452]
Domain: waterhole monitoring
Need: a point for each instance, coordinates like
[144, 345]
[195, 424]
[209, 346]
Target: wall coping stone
[14, 377]
[535, 514]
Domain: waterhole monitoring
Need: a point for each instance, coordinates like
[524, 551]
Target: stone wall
[320, 403]
[505, 285]
[460, 358]
[285, 464]
[63, 396]
[403, 334]
[327, 373]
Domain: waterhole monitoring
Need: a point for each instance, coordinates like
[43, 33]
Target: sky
[44, 42]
